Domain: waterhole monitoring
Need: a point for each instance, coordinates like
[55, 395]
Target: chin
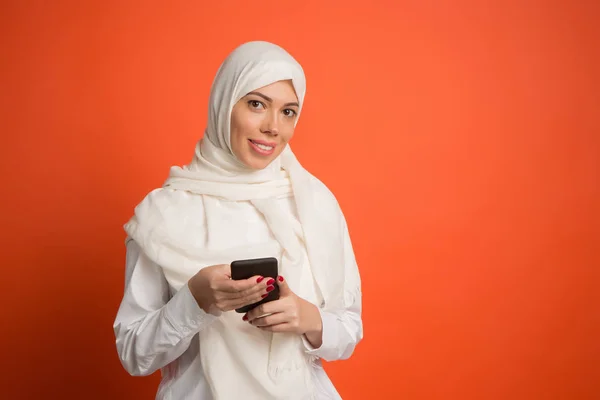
[257, 164]
[255, 161]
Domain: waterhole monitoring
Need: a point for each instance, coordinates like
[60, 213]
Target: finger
[233, 304]
[272, 307]
[284, 289]
[250, 299]
[236, 286]
[284, 327]
[263, 288]
[272, 319]
[253, 294]
[227, 301]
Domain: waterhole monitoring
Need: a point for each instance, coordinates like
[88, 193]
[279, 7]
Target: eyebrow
[270, 100]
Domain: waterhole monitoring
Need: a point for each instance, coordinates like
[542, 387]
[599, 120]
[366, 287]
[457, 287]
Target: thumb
[223, 271]
[284, 289]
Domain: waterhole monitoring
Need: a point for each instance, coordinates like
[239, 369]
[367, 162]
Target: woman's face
[262, 123]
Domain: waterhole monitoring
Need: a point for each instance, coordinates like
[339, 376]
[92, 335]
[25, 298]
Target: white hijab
[216, 175]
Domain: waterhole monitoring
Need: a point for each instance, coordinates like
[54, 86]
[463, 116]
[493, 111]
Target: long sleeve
[342, 328]
[151, 328]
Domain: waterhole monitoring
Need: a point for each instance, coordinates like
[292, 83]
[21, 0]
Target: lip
[259, 150]
[272, 144]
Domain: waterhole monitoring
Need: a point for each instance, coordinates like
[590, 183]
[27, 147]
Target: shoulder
[164, 199]
[321, 189]
[324, 197]
[169, 206]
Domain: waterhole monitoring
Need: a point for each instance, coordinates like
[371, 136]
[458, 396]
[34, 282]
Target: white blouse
[157, 328]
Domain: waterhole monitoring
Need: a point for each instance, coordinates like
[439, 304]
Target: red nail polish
[259, 280]
[245, 318]
[280, 278]
[271, 281]
[264, 295]
[269, 288]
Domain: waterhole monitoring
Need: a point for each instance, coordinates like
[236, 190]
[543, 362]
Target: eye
[255, 104]
[288, 112]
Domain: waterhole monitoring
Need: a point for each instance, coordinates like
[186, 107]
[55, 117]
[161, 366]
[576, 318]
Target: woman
[244, 195]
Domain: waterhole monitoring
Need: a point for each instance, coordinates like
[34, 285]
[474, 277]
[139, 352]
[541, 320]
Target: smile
[262, 147]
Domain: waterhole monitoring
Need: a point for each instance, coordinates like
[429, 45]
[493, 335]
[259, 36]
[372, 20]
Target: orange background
[461, 138]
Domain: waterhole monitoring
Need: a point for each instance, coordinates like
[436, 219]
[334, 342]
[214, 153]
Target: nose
[270, 124]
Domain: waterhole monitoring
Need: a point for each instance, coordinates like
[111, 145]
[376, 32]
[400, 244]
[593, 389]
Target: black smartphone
[244, 269]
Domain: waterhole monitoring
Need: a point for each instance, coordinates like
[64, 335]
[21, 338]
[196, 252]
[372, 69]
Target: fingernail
[264, 295]
[259, 280]
[245, 318]
[269, 288]
[271, 281]
[280, 278]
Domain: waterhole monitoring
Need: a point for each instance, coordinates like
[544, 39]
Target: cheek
[243, 126]
[238, 132]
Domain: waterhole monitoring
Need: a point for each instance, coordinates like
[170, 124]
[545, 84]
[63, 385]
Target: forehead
[279, 91]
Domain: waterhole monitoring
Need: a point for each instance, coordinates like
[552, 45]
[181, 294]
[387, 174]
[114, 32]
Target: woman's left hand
[289, 313]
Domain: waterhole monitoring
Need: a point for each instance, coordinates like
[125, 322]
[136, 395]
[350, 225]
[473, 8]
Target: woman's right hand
[215, 291]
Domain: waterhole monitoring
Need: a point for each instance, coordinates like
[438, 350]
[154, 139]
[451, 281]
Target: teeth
[262, 146]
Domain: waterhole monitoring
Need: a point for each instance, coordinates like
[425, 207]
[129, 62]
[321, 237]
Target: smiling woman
[263, 122]
[243, 196]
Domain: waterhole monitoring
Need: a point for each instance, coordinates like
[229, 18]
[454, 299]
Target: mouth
[262, 147]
